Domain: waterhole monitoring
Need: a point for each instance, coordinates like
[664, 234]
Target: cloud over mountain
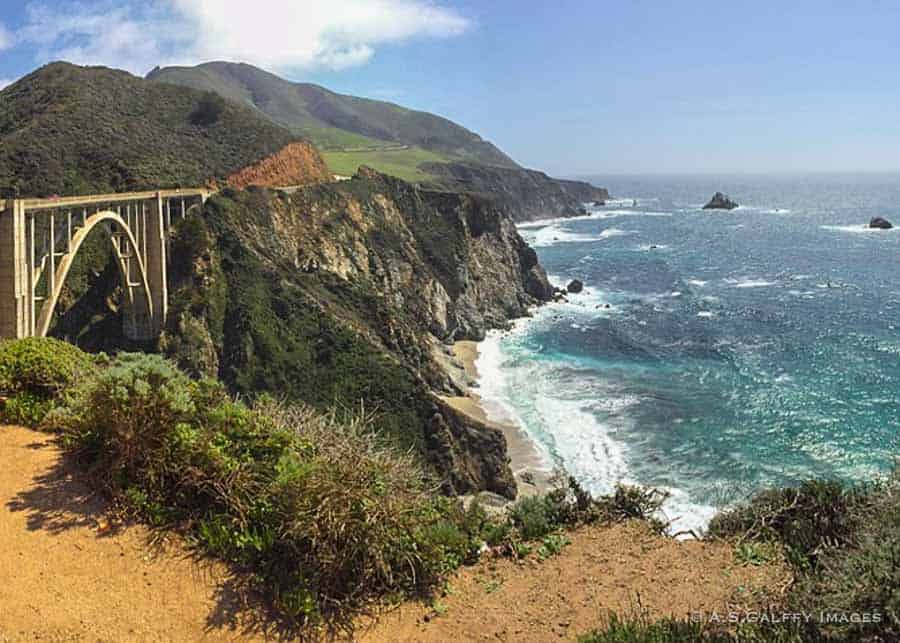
[277, 34]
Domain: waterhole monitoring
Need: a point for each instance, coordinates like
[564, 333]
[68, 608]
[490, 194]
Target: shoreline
[530, 468]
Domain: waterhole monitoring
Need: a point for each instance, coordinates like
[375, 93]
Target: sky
[569, 87]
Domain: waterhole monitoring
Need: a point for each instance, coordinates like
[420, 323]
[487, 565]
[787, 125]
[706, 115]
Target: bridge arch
[138, 299]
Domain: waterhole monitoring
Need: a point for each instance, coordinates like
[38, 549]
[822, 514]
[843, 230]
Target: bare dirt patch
[66, 575]
[623, 568]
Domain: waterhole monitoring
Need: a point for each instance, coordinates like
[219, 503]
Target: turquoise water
[748, 348]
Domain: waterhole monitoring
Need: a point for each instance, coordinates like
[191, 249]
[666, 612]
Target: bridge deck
[117, 197]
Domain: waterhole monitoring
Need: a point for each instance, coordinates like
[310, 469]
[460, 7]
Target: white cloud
[6, 38]
[277, 34]
[6, 82]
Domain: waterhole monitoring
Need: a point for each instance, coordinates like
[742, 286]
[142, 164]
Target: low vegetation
[312, 508]
[35, 374]
[843, 545]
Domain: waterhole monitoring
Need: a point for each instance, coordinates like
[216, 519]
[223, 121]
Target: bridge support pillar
[156, 263]
[14, 298]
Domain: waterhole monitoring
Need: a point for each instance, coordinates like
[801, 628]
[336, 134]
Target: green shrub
[804, 519]
[324, 516]
[34, 373]
[843, 543]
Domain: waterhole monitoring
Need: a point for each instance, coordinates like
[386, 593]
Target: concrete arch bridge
[40, 239]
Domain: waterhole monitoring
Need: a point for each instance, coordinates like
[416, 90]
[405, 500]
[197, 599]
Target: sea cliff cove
[289, 352]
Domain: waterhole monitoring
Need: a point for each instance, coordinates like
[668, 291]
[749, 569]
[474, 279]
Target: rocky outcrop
[880, 223]
[575, 286]
[296, 164]
[527, 194]
[338, 293]
[720, 201]
[473, 454]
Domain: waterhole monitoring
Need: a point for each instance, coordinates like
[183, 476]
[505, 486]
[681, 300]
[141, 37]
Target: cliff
[343, 292]
[527, 194]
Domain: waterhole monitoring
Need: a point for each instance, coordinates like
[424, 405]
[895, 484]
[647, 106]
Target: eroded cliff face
[527, 194]
[341, 292]
[296, 164]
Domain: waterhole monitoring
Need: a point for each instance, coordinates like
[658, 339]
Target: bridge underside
[40, 240]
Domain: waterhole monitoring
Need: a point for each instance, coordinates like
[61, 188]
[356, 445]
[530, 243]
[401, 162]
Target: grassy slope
[341, 123]
[74, 130]
[402, 163]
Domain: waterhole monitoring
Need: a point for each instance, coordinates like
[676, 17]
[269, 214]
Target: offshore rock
[720, 202]
[880, 223]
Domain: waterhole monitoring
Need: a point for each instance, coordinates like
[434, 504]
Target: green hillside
[70, 130]
[355, 127]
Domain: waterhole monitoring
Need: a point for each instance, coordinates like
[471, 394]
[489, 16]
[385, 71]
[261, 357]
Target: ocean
[712, 353]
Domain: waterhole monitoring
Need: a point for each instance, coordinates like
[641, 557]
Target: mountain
[71, 130]
[413, 145]
[335, 121]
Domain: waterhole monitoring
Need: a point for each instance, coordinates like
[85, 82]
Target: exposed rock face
[527, 194]
[880, 223]
[575, 286]
[720, 202]
[340, 291]
[472, 453]
[296, 164]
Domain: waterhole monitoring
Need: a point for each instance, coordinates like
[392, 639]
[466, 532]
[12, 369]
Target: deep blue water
[749, 348]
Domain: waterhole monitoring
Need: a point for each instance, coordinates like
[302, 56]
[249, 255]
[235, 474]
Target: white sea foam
[591, 216]
[705, 314]
[555, 234]
[859, 228]
[750, 283]
[699, 283]
[576, 427]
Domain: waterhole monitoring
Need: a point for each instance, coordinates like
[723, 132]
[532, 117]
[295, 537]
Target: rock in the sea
[575, 286]
[880, 223]
[720, 202]
[599, 204]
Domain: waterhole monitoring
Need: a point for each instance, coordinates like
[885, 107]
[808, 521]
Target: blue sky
[570, 87]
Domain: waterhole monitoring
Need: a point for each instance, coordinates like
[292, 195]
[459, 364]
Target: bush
[34, 374]
[804, 519]
[323, 516]
[843, 543]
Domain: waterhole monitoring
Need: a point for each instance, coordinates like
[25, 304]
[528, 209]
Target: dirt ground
[623, 569]
[66, 576]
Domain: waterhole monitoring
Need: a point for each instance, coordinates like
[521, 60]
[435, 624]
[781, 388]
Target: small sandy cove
[531, 468]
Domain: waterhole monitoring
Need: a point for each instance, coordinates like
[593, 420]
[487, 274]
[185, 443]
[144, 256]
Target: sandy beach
[530, 467]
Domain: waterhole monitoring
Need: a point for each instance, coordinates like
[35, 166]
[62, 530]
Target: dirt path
[63, 579]
[623, 568]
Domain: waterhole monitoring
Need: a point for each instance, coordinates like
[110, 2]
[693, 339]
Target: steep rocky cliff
[343, 292]
[527, 194]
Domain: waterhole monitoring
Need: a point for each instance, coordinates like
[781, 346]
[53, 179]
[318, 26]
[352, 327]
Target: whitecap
[699, 283]
[859, 228]
[705, 314]
[750, 283]
[552, 235]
